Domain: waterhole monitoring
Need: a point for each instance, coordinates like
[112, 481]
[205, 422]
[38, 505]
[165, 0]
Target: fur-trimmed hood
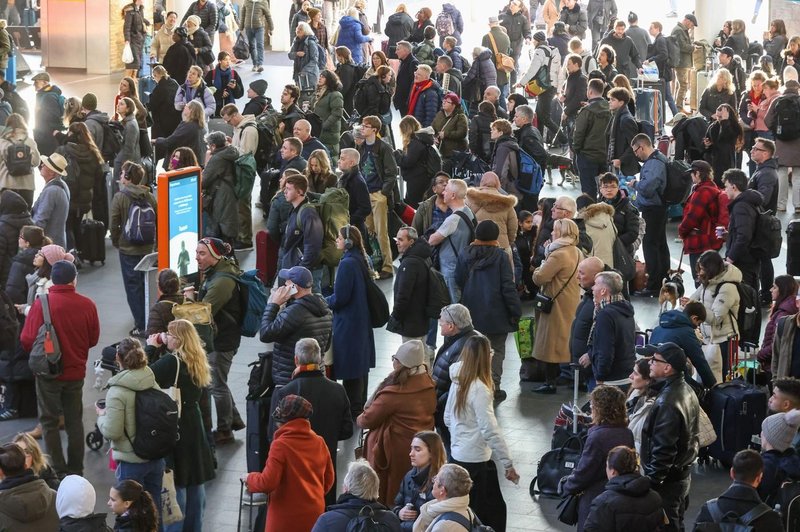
[597, 209]
[490, 199]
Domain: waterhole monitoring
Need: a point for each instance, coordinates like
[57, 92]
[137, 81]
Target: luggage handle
[576, 369]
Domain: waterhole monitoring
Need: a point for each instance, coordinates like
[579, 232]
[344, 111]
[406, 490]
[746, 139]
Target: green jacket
[222, 293]
[424, 53]
[681, 34]
[329, 109]
[119, 217]
[503, 47]
[590, 137]
[456, 129]
[28, 507]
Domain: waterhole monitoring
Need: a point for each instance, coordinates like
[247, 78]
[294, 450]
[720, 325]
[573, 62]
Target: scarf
[416, 90]
[305, 367]
[221, 77]
[477, 242]
[558, 244]
[597, 308]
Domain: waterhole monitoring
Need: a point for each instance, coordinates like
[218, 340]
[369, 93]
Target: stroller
[107, 361]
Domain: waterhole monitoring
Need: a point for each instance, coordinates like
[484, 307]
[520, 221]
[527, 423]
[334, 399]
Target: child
[526, 236]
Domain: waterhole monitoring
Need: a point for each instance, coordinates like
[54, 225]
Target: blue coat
[458, 21]
[428, 104]
[410, 493]
[353, 343]
[675, 326]
[351, 36]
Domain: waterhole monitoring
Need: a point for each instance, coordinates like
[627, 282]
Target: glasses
[658, 360]
[449, 319]
[609, 186]
[756, 148]
[557, 208]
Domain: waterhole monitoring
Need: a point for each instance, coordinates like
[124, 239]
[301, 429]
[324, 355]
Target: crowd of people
[468, 245]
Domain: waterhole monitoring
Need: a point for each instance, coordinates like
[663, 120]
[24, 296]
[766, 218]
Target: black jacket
[90, 523]
[256, 106]
[209, 17]
[612, 343]
[486, 279]
[405, 80]
[623, 127]
[81, 177]
[517, 26]
[659, 53]
[233, 93]
[398, 28]
[669, 437]
[448, 354]
[480, 75]
[626, 220]
[413, 165]
[360, 206]
[21, 265]
[739, 499]
[765, 180]
[201, 41]
[348, 76]
[581, 326]
[576, 20]
[530, 139]
[410, 493]
[306, 317]
[628, 504]
[13, 215]
[743, 214]
[377, 96]
[188, 134]
[575, 93]
[480, 140]
[689, 134]
[418, 31]
[411, 291]
[627, 56]
[179, 57]
[347, 506]
[162, 108]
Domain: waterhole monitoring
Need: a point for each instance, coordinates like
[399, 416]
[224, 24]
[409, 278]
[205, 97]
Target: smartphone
[292, 290]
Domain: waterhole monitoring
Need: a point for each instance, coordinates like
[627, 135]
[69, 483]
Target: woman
[427, 458]
[376, 97]
[128, 89]
[556, 280]
[300, 15]
[366, 28]
[305, 53]
[413, 158]
[451, 126]
[228, 27]
[182, 158]
[718, 293]
[133, 507]
[351, 34]
[329, 106]
[169, 288]
[628, 502]
[720, 90]
[162, 104]
[423, 20]
[775, 41]
[489, 202]
[318, 172]
[39, 281]
[189, 133]
[722, 36]
[31, 239]
[27, 504]
[621, 80]
[605, 62]
[480, 131]
[481, 74]
[16, 132]
[402, 405]
[201, 42]
[117, 420]
[347, 72]
[705, 209]
[195, 89]
[129, 151]
[72, 113]
[83, 152]
[609, 429]
[783, 292]
[220, 214]
[737, 39]
[320, 32]
[451, 492]
[475, 437]
[227, 83]
[14, 215]
[134, 32]
[514, 101]
[398, 28]
[724, 139]
[179, 57]
[186, 364]
[748, 105]
[35, 460]
[791, 54]
[377, 60]
[641, 398]
[758, 115]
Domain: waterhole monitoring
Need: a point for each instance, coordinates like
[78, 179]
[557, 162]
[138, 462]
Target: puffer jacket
[222, 292]
[49, 118]
[81, 186]
[27, 504]
[398, 28]
[517, 26]
[306, 68]
[626, 219]
[413, 165]
[481, 267]
[424, 52]
[591, 123]
[487, 203]
[428, 102]
[201, 41]
[455, 128]
[576, 20]
[669, 436]
[448, 354]
[480, 139]
[411, 291]
[628, 503]
[351, 36]
[202, 93]
[743, 214]
[21, 182]
[778, 467]
[705, 209]
[306, 317]
[787, 307]
[504, 162]
[14, 215]
[329, 109]
[480, 75]
[21, 267]
[458, 21]
[722, 309]
[255, 14]
[598, 219]
[120, 206]
[377, 95]
[209, 17]
[118, 424]
[611, 347]
[218, 180]
[411, 493]
[675, 326]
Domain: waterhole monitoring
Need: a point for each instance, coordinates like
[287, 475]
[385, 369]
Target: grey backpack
[45, 360]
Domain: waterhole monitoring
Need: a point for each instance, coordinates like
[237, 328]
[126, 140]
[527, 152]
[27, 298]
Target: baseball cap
[298, 275]
[669, 351]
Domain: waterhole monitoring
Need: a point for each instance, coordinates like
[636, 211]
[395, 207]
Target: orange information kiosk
[180, 219]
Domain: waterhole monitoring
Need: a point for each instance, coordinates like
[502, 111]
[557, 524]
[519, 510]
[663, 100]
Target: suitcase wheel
[94, 440]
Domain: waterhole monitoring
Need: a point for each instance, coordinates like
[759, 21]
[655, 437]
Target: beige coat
[434, 508]
[23, 182]
[599, 221]
[552, 330]
[488, 203]
[550, 14]
[162, 40]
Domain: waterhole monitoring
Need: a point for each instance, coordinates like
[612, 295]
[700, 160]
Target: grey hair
[455, 480]
[404, 44]
[410, 232]
[459, 186]
[568, 203]
[611, 280]
[351, 152]
[307, 351]
[494, 88]
[524, 110]
[458, 315]
[306, 28]
[362, 481]
[217, 139]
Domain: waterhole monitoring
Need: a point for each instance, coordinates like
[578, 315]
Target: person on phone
[226, 82]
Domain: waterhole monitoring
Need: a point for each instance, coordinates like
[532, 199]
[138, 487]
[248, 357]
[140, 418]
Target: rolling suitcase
[266, 257]
[793, 248]
[92, 241]
[218, 124]
[696, 92]
[146, 86]
[650, 106]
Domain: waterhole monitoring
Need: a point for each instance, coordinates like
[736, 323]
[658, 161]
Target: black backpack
[156, 425]
[433, 162]
[679, 182]
[748, 320]
[19, 160]
[113, 137]
[266, 124]
[730, 522]
[787, 117]
[789, 499]
[369, 519]
[768, 238]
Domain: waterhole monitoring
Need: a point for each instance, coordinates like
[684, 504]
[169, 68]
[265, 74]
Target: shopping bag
[170, 511]
[524, 337]
[127, 54]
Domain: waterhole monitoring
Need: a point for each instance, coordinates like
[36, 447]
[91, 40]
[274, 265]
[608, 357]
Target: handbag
[127, 54]
[173, 391]
[170, 510]
[241, 50]
[706, 435]
[568, 509]
[45, 358]
[376, 302]
[544, 303]
[502, 61]
[623, 261]
[524, 337]
[358, 452]
[555, 465]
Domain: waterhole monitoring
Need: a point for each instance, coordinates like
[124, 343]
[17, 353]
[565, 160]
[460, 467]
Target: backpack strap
[713, 509]
[456, 518]
[754, 514]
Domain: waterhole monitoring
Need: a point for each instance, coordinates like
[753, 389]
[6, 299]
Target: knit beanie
[780, 429]
[216, 247]
[63, 272]
[411, 354]
[259, 86]
[89, 101]
[292, 407]
[53, 253]
[487, 231]
[75, 497]
[539, 36]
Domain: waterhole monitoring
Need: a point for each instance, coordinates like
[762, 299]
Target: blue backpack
[530, 177]
[252, 299]
[140, 226]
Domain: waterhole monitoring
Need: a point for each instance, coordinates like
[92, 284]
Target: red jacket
[77, 327]
[705, 209]
[296, 476]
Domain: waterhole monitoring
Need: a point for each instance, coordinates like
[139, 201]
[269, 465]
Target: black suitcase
[92, 243]
[793, 248]
[256, 438]
[736, 410]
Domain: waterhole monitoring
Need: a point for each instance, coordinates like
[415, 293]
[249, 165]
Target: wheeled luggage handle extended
[576, 373]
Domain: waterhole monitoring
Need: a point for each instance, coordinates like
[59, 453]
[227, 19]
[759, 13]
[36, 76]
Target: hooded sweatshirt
[675, 326]
[27, 504]
[611, 345]
[120, 206]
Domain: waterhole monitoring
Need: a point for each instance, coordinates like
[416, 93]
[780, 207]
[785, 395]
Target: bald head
[490, 179]
[587, 269]
[302, 130]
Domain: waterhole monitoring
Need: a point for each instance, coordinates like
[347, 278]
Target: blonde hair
[197, 113]
[567, 229]
[38, 458]
[621, 80]
[738, 26]
[190, 350]
[408, 126]
[476, 365]
[726, 77]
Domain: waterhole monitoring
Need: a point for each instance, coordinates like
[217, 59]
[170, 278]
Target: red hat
[453, 97]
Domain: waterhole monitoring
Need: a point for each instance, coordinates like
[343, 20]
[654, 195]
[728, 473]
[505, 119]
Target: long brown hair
[433, 442]
[81, 134]
[476, 365]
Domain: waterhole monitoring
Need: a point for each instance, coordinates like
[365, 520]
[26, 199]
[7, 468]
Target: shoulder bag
[544, 303]
[45, 359]
[376, 301]
[502, 61]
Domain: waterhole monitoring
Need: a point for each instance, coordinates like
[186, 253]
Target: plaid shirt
[705, 209]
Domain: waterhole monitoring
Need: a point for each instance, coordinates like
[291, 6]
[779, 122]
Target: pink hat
[53, 253]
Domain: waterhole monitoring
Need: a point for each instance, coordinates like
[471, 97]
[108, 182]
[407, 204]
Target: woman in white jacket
[475, 435]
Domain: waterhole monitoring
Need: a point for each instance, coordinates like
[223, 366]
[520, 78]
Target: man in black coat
[408, 317]
[584, 316]
[331, 418]
[620, 133]
[659, 53]
[529, 139]
[765, 180]
[628, 61]
[743, 206]
[405, 76]
[518, 28]
[741, 498]
[670, 434]
[353, 182]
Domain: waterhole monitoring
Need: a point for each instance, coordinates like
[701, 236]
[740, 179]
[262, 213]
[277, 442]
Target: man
[621, 130]
[785, 395]
[162, 39]
[52, 206]
[454, 235]
[245, 139]
[781, 462]
[293, 313]
[765, 180]
[650, 187]
[544, 55]
[628, 60]
[659, 54]
[12, 97]
[302, 131]
[588, 61]
[455, 324]
[330, 417]
[684, 69]
[255, 19]
[353, 182]
[449, 75]
[611, 346]
[529, 139]
[219, 176]
[600, 13]
[290, 155]
[669, 436]
[786, 150]
[679, 327]
[563, 208]
[453, 51]
[785, 349]
[77, 328]
[133, 199]
[575, 19]
[743, 206]
[589, 140]
[289, 109]
[221, 291]
[492, 94]
[639, 35]
[209, 17]
[734, 66]
[574, 95]
[256, 91]
[451, 127]
[425, 97]
[94, 119]
[302, 243]
[405, 76]
[49, 113]
[741, 498]
[584, 315]
[626, 216]
[379, 169]
[408, 317]
[518, 28]
[497, 41]
[434, 210]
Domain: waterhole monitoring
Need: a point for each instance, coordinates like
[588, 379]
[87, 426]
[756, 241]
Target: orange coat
[395, 414]
[550, 14]
[296, 476]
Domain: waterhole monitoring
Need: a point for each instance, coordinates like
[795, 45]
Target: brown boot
[61, 422]
[36, 433]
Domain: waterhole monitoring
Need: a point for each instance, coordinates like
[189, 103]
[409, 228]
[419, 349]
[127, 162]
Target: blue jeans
[504, 92]
[255, 37]
[192, 500]
[134, 287]
[588, 171]
[669, 99]
[149, 474]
